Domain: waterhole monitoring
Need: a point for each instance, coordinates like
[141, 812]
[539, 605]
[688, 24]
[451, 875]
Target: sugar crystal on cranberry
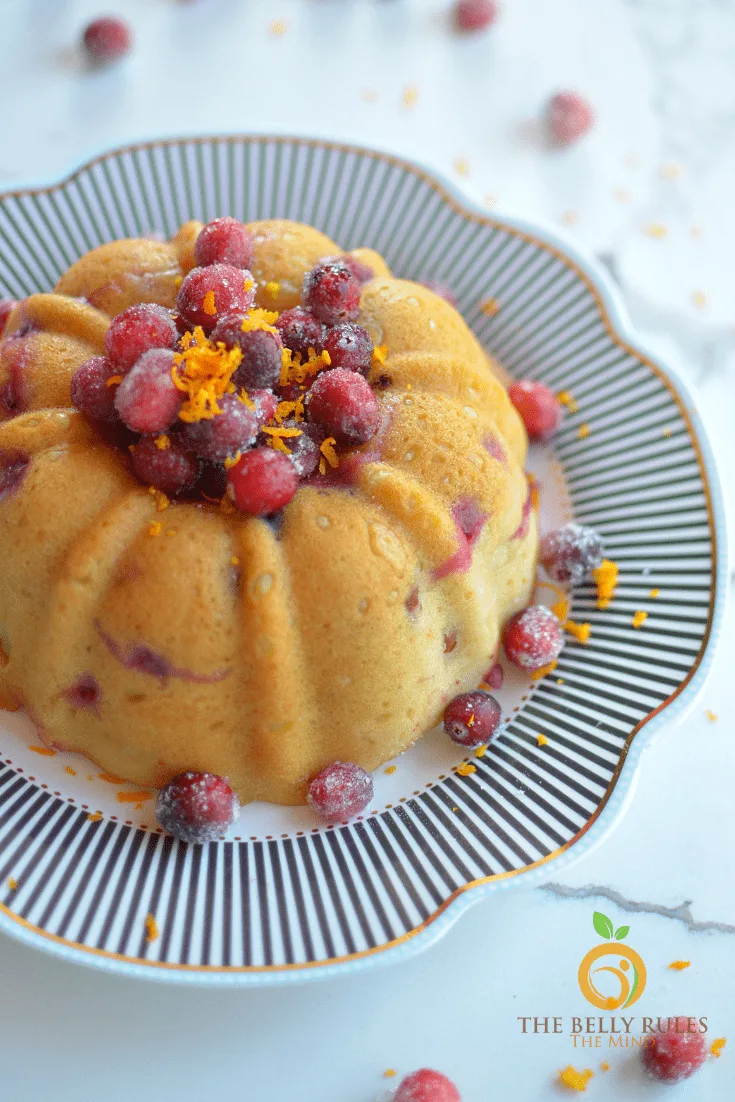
[570, 554]
[305, 448]
[217, 291]
[533, 638]
[197, 807]
[426, 1085]
[224, 241]
[231, 431]
[332, 292]
[147, 399]
[262, 481]
[472, 719]
[265, 403]
[137, 330]
[171, 469]
[300, 330]
[343, 403]
[90, 393]
[340, 791]
[350, 346]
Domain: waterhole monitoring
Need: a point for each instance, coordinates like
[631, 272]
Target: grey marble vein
[681, 913]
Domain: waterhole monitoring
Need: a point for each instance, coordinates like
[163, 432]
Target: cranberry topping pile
[222, 394]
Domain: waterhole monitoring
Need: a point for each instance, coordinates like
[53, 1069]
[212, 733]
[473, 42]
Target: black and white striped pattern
[638, 478]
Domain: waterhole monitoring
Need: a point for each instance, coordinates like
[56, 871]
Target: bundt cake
[212, 566]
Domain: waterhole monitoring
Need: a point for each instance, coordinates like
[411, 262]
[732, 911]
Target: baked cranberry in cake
[332, 292]
[90, 393]
[344, 404]
[165, 464]
[537, 406]
[217, 291]
[137, 330]
[340, 791]
[197, 807]
[300, 330]
[533, 638]
[224, 241]
[147, 399]
[227, 433]
[6, 305]
[350, 346]
[262, 481]
[472, 719]
[107, 39]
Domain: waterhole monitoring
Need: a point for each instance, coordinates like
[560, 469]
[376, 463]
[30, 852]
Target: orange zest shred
[152, 933]
[538, 674]
[260, 319]
[43, 750]
[606, 579]
[604, 1066]
[575, 1080]
[466, 769]
[481, 751]
[133, 797]
[272, 288]
[235, 561]
[639, 618]
[12, 884]
[654, 593]
[286, 410]
[162, 442]
[389, 1073]
[295, 370]
[390, 769]
[203, 372]
[717, 1046]
[566, 398]
[380, 353]
[114, 380]
[322, 465]
[534, 490]
[68, 769]
[679, 965]
[584, 430]
[208, 304]
[162, 501]
[277, 436]
[711, 716]
[490, 307]
[541, 740]
[95, 816]
[245, 398]
[232, 460]
[327, 450]
[581, 632]
[155, 528]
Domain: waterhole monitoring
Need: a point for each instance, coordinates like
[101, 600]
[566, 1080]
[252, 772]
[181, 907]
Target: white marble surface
[660, 75]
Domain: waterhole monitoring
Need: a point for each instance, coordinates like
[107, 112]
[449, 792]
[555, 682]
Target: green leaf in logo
[621, 932]
[602, 924]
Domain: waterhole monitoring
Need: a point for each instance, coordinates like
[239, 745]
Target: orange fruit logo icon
[620, 980]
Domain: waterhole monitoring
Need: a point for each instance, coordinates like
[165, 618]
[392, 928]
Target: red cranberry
[14, 466]
[363, 273]
[265, 403]
[343, 403]
[90, 393]
[224, 241]
[537, 406]
[147, 399]
[570, 554]
[107, 39]
[443, 290]
[304, 449]
[300, 330]
[197, 807]
[261, 353]
[426, 1085]
[208, 294]
[340, 791]
[331, 292]
[569, 116]
[6, 305]
[262, 482]
[676, 1054]
[350, 346]
[533, 638]
[172, 470]
[472, 718]
[231, 431]
[137, 330]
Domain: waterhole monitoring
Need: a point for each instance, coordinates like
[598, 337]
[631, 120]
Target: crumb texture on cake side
[226, 643]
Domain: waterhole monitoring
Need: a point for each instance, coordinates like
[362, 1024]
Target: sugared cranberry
[443, 290]
[676, 1054]
[363, 273]
[90, 393]
[231, 431]
[224, 241]
[472, 718]
[537, 406]
[340, 791]
[569, 115]
[300, 330]
[261, 353]
[426, 1085]
[6, 305]
[197, 807]
[304, 449]
[265, 403]
[107, 39]
[533, 638]
[350, 346]
[172, 470]
[332, 292]
[147, 399]
[262, 482]
[570, 554]
[208, 294]
[137, 330]
[476, 15]
[344, 404]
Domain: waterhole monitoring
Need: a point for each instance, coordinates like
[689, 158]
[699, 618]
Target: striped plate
[285, 898]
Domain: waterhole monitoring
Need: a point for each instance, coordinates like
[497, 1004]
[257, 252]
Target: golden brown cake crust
[218, 643]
